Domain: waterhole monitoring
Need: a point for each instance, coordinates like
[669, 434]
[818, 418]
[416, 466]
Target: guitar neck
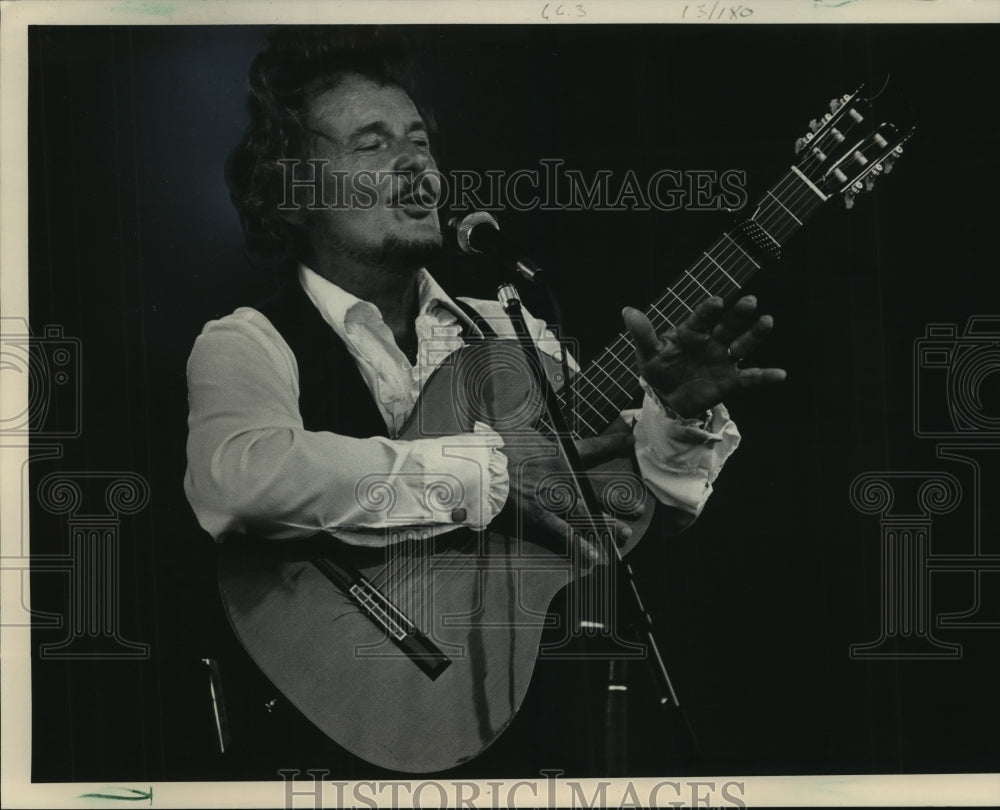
[609, 383]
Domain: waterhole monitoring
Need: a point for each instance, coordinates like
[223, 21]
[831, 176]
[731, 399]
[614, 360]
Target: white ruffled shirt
[253, 468]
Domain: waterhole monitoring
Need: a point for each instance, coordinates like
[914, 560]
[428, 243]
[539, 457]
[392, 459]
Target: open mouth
[422, 197]
[417, 203]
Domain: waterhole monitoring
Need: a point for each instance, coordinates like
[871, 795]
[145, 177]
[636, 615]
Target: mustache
[422, 189]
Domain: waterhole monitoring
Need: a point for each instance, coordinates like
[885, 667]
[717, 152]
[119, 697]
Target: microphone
[478, 234]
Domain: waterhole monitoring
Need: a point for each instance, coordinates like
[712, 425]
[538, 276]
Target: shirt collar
[339, 307]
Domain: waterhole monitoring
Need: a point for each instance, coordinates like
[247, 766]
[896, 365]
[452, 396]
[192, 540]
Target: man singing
[294, 403]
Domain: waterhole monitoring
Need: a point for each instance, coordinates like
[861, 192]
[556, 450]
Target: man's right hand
[540, 482]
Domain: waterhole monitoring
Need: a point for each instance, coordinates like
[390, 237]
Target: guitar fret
[779, 202]
[613, 380]
[723, 270]
[599, 391]
[624, 365]
[741, 250]
[589, 426]
[689, 273]
[764, 231]
[810, 183]
[657, 311]
[675, 295]
[734, 264]
[584, 401]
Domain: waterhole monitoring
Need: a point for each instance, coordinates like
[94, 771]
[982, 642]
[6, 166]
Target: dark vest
[333, 395]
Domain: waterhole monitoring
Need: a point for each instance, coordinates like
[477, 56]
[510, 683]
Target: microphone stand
[620, 569]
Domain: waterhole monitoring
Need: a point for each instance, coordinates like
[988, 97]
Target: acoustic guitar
[416, 657]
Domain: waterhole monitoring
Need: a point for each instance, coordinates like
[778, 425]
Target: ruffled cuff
[476, 461]
[499, 479]
[680, 458]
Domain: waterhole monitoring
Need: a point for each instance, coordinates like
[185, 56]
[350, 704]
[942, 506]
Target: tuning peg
[869, 183]
[800, 144]
[887, 165]
[835, 104]
[856, 188]
[814, 125]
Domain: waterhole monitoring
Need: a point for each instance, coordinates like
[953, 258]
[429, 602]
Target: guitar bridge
[383, 613]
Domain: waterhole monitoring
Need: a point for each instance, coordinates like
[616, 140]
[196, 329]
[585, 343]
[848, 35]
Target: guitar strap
[333, 396]
[481, 323]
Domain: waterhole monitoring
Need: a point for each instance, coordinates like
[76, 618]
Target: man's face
[374, 143]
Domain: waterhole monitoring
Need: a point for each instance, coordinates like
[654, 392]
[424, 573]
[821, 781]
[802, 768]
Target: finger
[610, 528]
[736, 320]
[623, 532]
[745, 343]
[620, 531]
[751, 377]
[569, 539]
[647, 344]
[619, 426]
[704, 317]
[605, 447]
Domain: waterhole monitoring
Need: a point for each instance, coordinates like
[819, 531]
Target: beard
[399, 254]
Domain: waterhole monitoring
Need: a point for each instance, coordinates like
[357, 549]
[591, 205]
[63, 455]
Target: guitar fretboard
[610, 383]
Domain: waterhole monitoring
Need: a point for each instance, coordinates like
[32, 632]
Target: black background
[134, 245]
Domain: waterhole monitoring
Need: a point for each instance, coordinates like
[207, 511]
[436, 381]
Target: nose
[418, 171]
[413, 158]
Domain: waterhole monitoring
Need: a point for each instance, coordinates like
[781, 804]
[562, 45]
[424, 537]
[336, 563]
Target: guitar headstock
[844, 152]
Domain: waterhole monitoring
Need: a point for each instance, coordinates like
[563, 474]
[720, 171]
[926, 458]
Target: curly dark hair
[299, 64]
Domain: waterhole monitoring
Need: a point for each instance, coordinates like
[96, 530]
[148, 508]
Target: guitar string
[716, 278]
[810, 161]
[681, 289]
[410, 555]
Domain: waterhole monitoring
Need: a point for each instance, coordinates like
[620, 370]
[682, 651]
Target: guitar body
[482, 599]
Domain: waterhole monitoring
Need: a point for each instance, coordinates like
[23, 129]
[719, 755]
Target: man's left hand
[693, 366]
